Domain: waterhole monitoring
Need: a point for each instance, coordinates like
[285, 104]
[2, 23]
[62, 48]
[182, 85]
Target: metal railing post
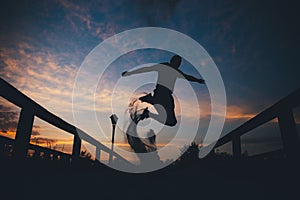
[98, 153]
[23, 132]
[76, 147]
[288, 132]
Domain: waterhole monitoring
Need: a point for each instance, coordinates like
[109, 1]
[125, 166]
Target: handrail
[13, 95]
[9, 141]
[16, 97]
[289, 102]
[283, 110]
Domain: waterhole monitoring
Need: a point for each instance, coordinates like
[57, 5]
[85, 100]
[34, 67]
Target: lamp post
[114, 120]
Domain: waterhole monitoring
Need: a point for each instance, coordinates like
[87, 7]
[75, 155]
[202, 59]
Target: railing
[283, 110]
[30, 109]
[7, 147]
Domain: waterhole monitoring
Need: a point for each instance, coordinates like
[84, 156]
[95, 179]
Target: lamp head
[113, 119]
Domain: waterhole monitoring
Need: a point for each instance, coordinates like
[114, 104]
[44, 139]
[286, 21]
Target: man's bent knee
[171, 122]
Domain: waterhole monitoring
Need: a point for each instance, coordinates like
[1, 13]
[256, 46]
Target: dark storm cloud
[8, 121]
[34, 133]
[42, 140]
[4, 108]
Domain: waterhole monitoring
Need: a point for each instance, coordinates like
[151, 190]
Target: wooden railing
[30, 109]
[7, 149]
[283, 110]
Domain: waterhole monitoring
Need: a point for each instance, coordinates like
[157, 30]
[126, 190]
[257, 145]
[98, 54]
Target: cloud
[63, 145]
[34, 133]
[77, 12]
[42, 140]
[9, 116]
[239, 112]
[8, 122]
[85, 17]
[40, 75]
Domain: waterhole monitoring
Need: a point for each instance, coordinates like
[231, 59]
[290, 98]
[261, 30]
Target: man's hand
[125, 73]
[201, 81]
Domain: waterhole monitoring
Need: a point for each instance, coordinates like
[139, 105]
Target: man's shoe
[147, 98]
[145, 114]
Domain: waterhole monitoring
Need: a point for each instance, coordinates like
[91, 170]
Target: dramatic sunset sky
[255, 45]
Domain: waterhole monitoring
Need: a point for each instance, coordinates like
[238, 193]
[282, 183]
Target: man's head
[175, 61]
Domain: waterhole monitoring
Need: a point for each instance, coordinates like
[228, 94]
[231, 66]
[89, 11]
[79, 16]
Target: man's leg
[166, 117]
[165, 110]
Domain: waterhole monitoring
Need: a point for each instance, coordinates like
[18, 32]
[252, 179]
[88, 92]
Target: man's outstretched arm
[193, 79]
[140, 70]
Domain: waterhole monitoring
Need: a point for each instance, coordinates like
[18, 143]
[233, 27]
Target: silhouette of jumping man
[162, 98]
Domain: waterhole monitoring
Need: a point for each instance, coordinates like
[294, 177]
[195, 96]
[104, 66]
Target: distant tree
[222, 155]
[191, 153]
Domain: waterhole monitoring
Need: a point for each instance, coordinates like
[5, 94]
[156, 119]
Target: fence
[30, 109]
[283, 110]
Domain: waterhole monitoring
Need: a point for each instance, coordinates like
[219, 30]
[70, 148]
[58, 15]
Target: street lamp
[114, 120]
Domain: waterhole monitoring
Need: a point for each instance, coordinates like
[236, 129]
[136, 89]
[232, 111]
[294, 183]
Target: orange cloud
[39, 74]
[9, 134]
[78, 12]
[63, 145]
[238, 112]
